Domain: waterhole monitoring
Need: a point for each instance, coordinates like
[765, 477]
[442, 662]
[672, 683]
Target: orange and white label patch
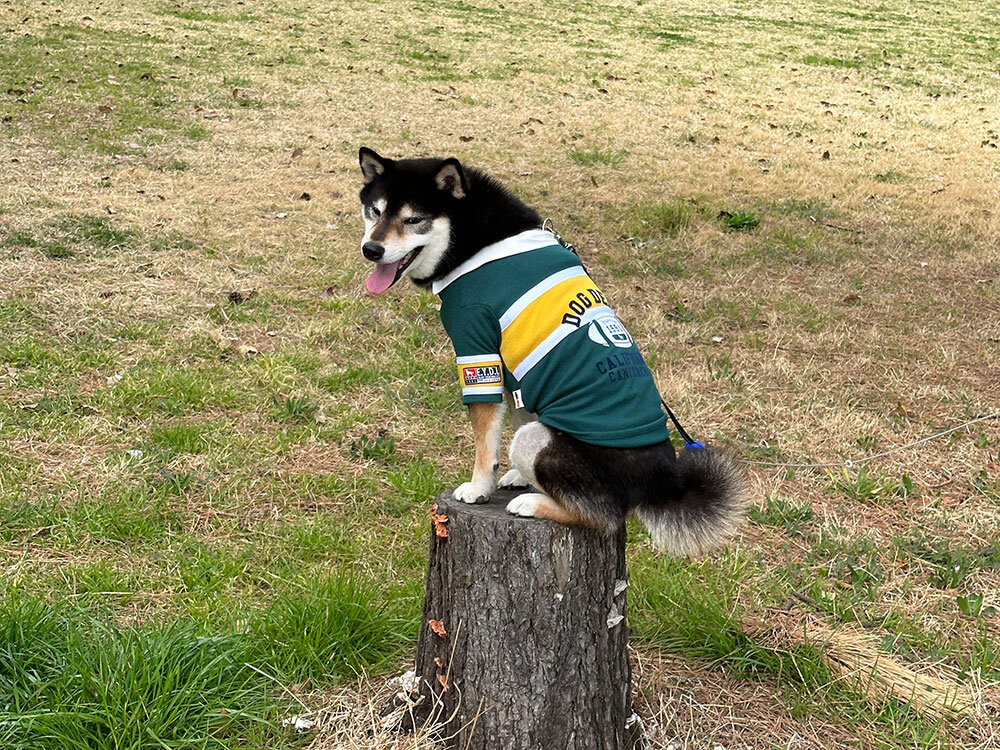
[480, 375]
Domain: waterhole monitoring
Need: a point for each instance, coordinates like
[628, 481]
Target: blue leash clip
[689, 442]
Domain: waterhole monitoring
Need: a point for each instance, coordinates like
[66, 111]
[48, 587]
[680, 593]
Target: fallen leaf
[297, 153]
[438, 627]
[104, 108]
[443, 679]
[239, 297]
[826, 154]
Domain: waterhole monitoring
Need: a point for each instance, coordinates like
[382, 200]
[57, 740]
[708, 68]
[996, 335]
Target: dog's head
[407, 207]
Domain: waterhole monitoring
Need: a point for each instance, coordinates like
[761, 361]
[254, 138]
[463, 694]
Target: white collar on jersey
[531, 239]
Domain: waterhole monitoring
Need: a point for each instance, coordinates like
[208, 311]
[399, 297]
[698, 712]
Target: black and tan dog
[529, 326]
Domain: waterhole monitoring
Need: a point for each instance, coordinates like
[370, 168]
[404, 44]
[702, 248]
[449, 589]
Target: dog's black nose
[372, 251]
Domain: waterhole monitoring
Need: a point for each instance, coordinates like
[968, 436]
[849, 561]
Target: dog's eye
[374, 212]
[414, 220]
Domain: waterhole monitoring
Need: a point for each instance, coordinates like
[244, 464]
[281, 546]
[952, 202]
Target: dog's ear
[450, 177]
[372, 165]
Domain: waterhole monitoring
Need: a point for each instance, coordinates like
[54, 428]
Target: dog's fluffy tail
[703, 509]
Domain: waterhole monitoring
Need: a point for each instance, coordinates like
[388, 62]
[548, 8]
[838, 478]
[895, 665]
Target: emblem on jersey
[609, 331]
[482, 375]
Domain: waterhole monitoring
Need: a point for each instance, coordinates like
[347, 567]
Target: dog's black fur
[690, 503]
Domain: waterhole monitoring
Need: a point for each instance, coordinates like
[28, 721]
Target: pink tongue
[382, 277]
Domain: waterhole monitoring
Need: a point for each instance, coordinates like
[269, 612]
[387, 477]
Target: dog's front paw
[526, 505]
[512, 479]
[474, 492]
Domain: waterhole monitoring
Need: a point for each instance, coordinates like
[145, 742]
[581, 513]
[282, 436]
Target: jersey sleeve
[475, 334]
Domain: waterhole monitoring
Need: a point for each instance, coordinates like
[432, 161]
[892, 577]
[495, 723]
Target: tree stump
[523, 643]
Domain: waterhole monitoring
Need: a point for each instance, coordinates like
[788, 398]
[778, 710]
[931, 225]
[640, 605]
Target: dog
[532, 332]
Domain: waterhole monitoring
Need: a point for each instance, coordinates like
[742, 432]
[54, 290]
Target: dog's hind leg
[519, 416]
[537, 505]
[551, 462]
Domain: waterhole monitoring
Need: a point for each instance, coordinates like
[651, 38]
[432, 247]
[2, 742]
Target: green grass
[780, 512]
[590, 157]
[193, 481]
[739, 220]
[866, 486]
[73, 235]
[693, 609]
[657, 219]
[72, 679]
[333, 629]
[836, 62]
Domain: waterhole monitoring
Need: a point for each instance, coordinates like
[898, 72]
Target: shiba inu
[532, 329]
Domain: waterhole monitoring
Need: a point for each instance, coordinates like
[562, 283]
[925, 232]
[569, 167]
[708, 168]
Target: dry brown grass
[876, 321]
[856, 658]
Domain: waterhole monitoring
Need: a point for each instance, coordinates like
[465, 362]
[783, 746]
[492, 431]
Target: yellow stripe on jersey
[564, 304]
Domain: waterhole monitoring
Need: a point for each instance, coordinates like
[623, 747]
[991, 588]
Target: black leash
[689, 442]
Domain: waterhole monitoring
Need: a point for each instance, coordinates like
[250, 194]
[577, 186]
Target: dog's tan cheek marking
[487, 421]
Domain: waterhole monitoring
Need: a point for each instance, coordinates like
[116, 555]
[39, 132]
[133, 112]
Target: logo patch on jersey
[482, 375]
[607, 331]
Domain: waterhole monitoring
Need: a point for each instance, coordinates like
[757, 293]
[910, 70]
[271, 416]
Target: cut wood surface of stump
[523, 643]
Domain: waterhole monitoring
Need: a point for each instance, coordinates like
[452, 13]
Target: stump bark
[523, 643]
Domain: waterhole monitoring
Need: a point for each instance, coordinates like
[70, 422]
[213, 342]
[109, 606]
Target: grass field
[216, 453]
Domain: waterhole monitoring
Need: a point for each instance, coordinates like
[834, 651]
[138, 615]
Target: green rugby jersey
[522, 313]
